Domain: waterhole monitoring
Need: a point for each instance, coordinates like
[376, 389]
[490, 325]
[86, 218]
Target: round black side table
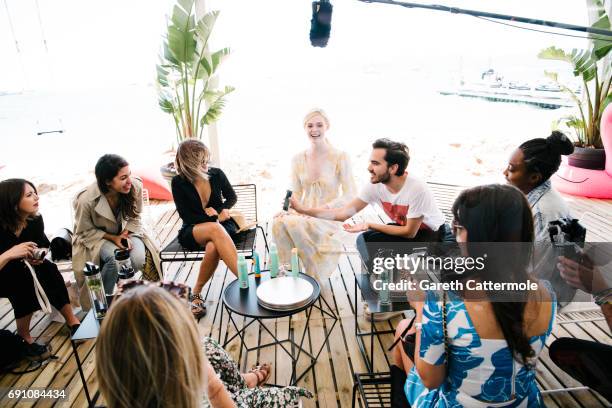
[243, 302]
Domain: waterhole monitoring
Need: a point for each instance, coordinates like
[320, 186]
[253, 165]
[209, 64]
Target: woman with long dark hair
[477, 346]
[22, 232]
[107, 217]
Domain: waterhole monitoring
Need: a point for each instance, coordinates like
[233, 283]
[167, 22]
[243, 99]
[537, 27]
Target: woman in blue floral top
[478, 348]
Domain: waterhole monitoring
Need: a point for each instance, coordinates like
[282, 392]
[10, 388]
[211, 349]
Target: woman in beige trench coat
[108, 217]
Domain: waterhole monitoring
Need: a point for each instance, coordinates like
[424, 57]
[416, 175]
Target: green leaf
[162, 76]
[584, 64]
[180, 18]
[181, 44]
[605, 103]
[187, 5]
[601, 43]
[204, 26]
[206, 65]
[215, 108]
[554, 53]
[218, 57]
[166, 105]
[574, 123]
[167, 55]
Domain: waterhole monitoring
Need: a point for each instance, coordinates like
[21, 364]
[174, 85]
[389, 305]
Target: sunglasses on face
[456, 227]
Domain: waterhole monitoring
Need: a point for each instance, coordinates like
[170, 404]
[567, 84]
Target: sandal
[262, 372]
[198, 308]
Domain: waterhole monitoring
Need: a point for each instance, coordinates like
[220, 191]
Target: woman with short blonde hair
[321, 176]
[203, 196]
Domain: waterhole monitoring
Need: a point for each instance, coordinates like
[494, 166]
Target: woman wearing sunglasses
[203, 197]
[479, 347]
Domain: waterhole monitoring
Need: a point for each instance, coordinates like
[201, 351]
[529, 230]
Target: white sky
[101, 44]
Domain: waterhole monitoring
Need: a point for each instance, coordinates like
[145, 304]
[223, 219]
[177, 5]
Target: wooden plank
[62, 378]
[24, 381]
[311, 380]
[77, 392]
[324, 370]
[552, 377]
[336, 349]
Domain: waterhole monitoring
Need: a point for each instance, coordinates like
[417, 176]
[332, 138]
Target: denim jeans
[109, 267]
[371, 236]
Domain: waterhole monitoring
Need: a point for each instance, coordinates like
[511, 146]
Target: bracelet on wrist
[604, 298]
[603, 292]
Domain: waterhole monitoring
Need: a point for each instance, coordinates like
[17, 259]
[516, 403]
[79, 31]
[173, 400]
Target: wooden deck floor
[331, 378]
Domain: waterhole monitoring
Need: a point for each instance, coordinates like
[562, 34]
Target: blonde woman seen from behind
[149, 354]
[320, 176]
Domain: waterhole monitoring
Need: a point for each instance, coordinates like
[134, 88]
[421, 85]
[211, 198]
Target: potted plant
[186, 73]
[594, 96]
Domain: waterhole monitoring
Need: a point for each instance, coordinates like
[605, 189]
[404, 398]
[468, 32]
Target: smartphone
[124, 242]
[287, 197]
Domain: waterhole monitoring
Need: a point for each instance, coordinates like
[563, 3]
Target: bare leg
[71, 319]
[213, 231]
[23, 328]
[400, 358]
[207, 266]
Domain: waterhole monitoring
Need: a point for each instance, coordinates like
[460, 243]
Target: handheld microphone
[287, 197]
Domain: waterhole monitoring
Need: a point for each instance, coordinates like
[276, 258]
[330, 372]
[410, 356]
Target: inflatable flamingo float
[585, 182]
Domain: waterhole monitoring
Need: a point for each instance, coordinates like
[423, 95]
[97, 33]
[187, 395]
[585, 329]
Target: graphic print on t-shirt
[396, 212]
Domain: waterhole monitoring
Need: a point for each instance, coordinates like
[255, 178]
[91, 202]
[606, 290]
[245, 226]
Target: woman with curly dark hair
[107, 217]
[530, 168]
[22, 233]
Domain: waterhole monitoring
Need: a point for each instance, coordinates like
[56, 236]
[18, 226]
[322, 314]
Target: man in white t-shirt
[405, 199]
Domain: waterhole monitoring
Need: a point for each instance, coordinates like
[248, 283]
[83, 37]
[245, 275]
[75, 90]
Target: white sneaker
[379, 317]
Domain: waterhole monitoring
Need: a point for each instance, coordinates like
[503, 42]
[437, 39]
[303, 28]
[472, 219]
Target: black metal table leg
[295, 350]
[90, 402]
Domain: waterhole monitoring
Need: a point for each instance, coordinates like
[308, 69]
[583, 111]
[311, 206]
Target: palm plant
[186, 73]
[596, 77]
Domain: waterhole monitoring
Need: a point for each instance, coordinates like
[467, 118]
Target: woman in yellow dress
[320, 176]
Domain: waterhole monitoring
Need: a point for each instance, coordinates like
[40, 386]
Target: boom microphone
[320, 25]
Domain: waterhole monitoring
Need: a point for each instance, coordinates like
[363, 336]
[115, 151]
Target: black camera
[567, 237]
[39, 254]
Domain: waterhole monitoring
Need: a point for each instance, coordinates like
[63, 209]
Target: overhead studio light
[320, 25]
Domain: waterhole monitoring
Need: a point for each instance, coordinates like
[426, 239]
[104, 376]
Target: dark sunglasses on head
[179, 290]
